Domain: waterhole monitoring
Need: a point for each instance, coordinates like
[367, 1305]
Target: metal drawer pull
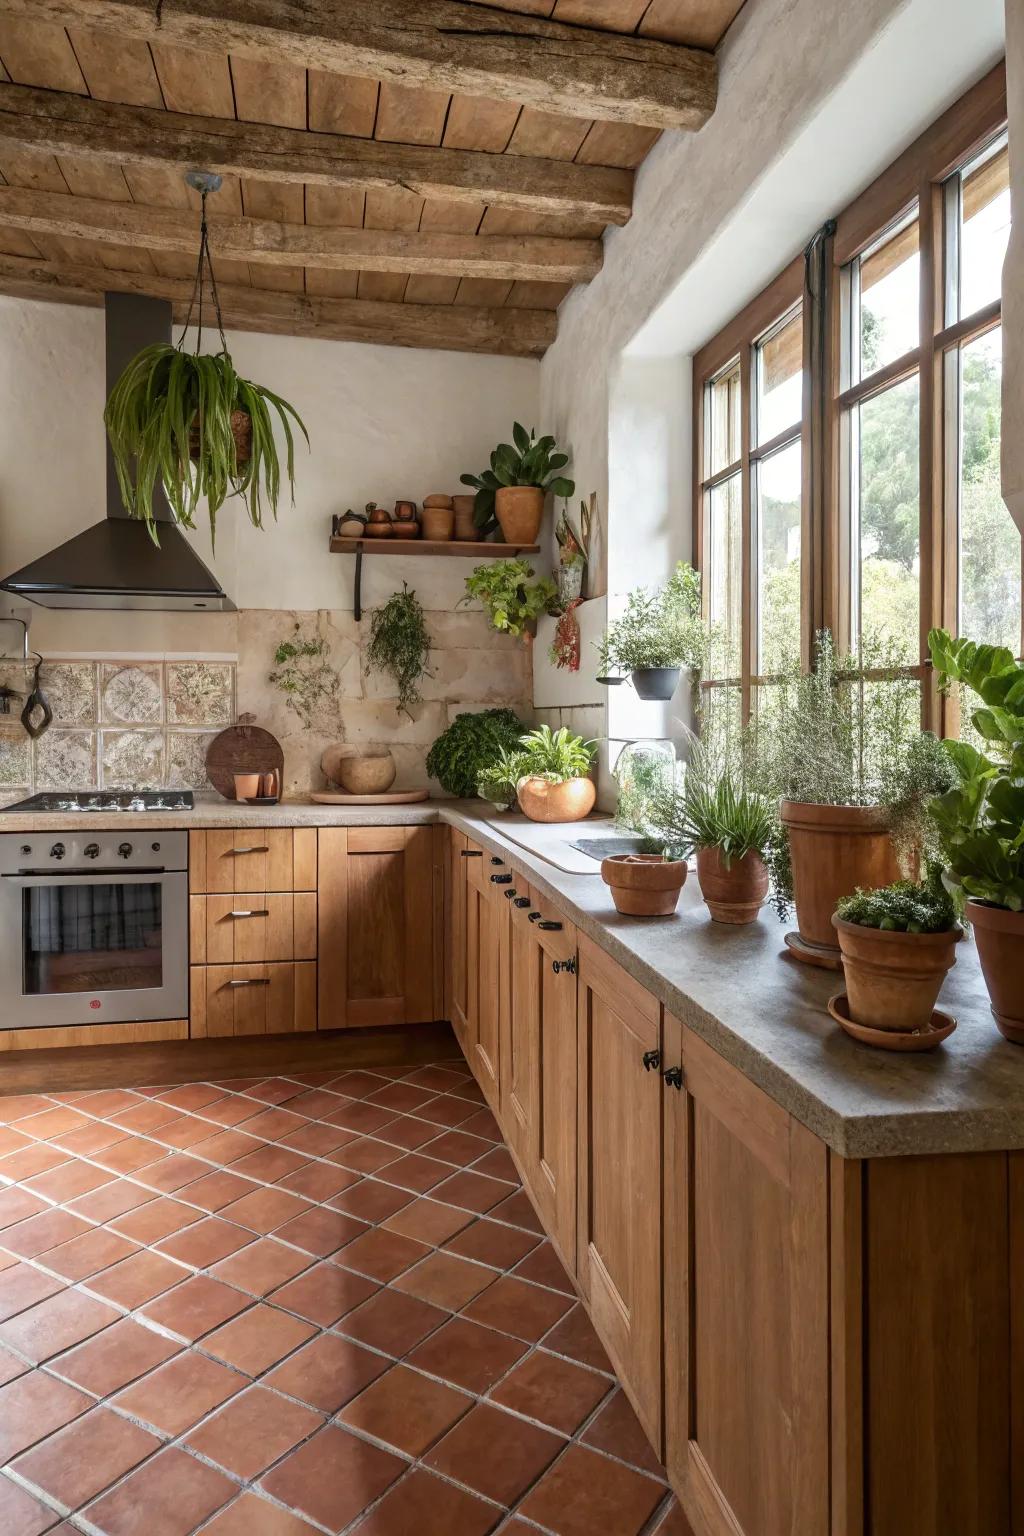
[521, 901]
[673, 1077]
[501, 879]
[260, 912]
[251, 981]
[237, 851]
[550, 927]
[568, 966]
[651, 1060]
[509, 895]
[471, 853]
[496, 860]
[534, 917]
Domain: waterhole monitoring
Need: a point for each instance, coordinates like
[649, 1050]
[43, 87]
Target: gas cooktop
[108, 800]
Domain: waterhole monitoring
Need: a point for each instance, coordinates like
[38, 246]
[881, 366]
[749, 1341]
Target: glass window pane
[725, 567]
[889, 521]
[984, 229]
[724, 420]
[780, 379]
[889, 284]
[990, 556]
[778, 557]
[720, 724]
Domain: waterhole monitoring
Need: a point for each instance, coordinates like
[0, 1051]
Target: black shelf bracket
[357, 587]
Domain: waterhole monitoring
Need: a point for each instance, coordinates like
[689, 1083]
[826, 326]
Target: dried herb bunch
[399, 644]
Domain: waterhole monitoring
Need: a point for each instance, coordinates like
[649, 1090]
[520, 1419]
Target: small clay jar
[465, 528]
[351, 525]
[438, 523]
[378, 522]
[437, 500]
[405, 511]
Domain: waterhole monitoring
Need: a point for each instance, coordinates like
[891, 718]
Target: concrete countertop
[737, 988]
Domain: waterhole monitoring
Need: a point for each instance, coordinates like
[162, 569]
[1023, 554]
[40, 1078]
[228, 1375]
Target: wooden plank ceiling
[373, 235]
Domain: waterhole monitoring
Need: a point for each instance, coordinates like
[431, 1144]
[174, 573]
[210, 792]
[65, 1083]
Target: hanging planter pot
[656, 682]
[241, 434]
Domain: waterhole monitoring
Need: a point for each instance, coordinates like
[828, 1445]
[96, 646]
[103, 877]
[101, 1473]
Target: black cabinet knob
[501, 879]
[651, 1060]
[509, 895]
[496, 860]
[521, 901]
[534, 917]
[471, 853]
[673, 1077]
[550, 927]
[569, 966]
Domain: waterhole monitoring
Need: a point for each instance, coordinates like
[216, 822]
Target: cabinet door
[620, 1166]
[377, 926]
[746, 1303]
[539, 1066]
[237, 930]
[487, 977]
[460, 852]
[253, 859]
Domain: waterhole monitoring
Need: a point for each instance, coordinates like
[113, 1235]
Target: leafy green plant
[499, 780]
[980, 820]
[469, 745]
[168, 418]
[557, 756]
[509, 593]
[399, 644]
[906, 907]
[659, 628]
[303, 673]
[527, 460]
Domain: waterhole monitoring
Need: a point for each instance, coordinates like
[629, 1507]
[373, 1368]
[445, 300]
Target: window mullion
[748, 626]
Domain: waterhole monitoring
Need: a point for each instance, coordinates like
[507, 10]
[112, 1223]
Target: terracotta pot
[405, 529]
[519, 509]
[437, 500]
[465, 528]
[735, 894]
[644, 884]
[438, 523]
[369, 775]
[999, 934]
[655, 682]
[543, 801]
[834, 849]
[405, 511]
[893, 980]
[241, 431]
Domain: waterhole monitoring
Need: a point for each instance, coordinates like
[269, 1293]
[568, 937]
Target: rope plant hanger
[188, 420]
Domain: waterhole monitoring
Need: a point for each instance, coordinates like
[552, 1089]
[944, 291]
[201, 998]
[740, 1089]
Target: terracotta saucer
[938, 1028]
[827, 956]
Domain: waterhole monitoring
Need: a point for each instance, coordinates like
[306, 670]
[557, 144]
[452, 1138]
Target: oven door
[96, 947]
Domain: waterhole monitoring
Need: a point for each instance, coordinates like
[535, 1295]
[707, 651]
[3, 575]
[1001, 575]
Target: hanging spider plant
[188, 420]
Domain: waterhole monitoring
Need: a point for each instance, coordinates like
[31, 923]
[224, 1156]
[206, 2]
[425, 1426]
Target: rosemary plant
[399, 644]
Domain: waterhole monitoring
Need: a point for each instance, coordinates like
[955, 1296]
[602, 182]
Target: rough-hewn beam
[445, 44]
[516, 257]
[59, 123]
[451, 328]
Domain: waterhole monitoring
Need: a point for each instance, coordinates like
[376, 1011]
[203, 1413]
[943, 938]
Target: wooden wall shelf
[447, 548]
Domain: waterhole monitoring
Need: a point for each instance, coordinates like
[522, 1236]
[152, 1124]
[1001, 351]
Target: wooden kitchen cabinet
[379, 925]
[252, 999]
[538, 1066]
[250, 928]
[746, 1302]
[252, 859]
[620, 1108]
[460, 853]
[487, 970]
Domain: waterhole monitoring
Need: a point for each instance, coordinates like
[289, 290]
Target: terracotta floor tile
[180, 1393]
[392, 1321]
[406, 1410]
[130, 1154]
[88, 1254]
[425, 1504]
[484, 1124]
[446, 1281]
[490, 1243]
[478, 1193]
[56, 1324]
[319, 1181]
[192, 1096]
[402, 1097]
[156, 1220]
[447, 1111]
[362, 1117]
[176, 1492]
[51, 1122]
[90, 1138]
[437, 1079]
[458, 1148]
[252, 1516]
[270, 1163]
[574, 1336]
[552, 1391]
[258, 1339]
[357, 1084]
[467, 1355]
[408, 1132]
[673, 1522]
[617, 1430]
[13, 1141]
[518, 1211]
[231, 1110]
[138, 1279]
[205, 1242]
[275, 1090]
[253, 1431]
[365, 1155]
[372, 1200]
[320, 1230]
[429, 1221]
[18, 1203]
[34, 1237]
[109, 1101]
[495, 1453]
[114, 1358]
[171, 1173]
[272, 1124]
[33, 1407]
[327, 1373]
[86, 1456]
[33, 1157]
[17, 1106]
[10, 1369]
[314, 1103]
[418, 1173]
[227, 1146]
[325, 1293]
[146, 1117]
[382, 1255]
[113, 1199]
[23, 1286]
[333, 1477]
[469, 1089]
[216, 1190]
[196, 1307]
[516, 1307]
[20, 1513]
[183, 1133]
[544, 1267]
[584, 1492]
[498, 1164]
[261, 1267]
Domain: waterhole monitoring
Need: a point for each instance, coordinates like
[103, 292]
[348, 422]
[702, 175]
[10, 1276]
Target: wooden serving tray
[390, 797]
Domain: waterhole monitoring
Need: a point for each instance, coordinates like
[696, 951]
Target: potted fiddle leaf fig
[511, 493]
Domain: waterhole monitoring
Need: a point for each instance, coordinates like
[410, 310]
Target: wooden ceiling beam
[446, 45]
[529, 258]
[450, 328]
[60, 123]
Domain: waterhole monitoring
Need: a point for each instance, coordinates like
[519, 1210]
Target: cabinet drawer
[260, 859]
[252, 999]
[250, 928]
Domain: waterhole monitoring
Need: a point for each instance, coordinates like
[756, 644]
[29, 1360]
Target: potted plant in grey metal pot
[657, 634]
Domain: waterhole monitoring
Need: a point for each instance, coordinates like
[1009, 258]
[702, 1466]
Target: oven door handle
[138, 870]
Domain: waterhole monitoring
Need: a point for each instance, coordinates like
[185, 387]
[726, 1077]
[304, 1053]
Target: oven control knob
[91, 850]
[26, 847]
[156, 847]
[57, 851]
[125, 850]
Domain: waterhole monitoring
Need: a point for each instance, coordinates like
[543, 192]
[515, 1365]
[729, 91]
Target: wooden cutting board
[390, 797]
[242, 748]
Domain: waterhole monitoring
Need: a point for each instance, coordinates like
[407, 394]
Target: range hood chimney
[115, 564]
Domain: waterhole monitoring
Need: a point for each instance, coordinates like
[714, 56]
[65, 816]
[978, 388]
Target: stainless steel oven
[93, 927]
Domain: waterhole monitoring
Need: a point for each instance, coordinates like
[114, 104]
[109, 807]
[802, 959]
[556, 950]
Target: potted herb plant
[657, 634]
[511, 493]
[399, 644]
[498, 783]
[512, 596]
[469, 745]
[555, 783]
[980, 820]
[897, 943]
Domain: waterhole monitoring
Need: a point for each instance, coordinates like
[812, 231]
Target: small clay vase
[438, 500]
[405, 511]
[541, 800]
[438, 523]
[465, 528]
[378, 522]
[247, 786]
[351, 525]
[733, 893]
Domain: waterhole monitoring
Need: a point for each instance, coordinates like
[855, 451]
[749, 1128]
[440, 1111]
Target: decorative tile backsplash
[117, 725]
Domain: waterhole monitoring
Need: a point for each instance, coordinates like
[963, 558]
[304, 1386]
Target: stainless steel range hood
[115, 564]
